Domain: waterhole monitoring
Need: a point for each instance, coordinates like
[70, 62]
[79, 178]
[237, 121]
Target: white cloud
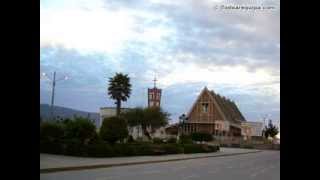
[237, 75]
[83, 30]
[92, 28]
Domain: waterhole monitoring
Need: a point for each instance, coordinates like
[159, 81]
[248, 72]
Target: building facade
[106, 112]
[214, 114]
[251, 128]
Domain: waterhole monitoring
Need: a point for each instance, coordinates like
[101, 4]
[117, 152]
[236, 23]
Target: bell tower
[154, 96]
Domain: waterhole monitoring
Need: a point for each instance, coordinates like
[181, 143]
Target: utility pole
[53, 80]
[52, 95]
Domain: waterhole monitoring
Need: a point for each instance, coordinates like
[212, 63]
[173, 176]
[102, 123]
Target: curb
[74, 168]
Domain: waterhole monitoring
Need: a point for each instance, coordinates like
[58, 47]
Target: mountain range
[64, 112]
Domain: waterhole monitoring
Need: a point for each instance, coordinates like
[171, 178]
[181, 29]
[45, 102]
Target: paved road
[262, 166]
[49, 161]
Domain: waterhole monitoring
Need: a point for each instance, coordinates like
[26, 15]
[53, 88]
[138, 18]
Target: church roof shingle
[228, 108]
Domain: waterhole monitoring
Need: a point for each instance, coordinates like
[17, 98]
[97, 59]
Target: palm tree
[119, 89]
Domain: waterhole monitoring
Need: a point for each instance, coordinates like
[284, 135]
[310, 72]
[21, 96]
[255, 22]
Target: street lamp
[53, 81]
[182, 120]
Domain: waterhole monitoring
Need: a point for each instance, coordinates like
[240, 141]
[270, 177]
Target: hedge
[198, 136]
[172, 140]
[157, 141]
[100, 149]
[78, 138]
[185, 139]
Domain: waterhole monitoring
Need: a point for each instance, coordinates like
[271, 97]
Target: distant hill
[64, 112]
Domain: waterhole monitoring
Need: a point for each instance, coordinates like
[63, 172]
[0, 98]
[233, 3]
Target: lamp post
[182, 120]
[53, 81]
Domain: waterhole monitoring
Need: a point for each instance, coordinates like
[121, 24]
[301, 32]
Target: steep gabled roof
[228, 107]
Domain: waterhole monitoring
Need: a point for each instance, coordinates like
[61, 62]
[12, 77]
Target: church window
[205, 107]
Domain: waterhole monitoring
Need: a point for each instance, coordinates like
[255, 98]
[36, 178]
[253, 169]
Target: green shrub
[144, 149]
[113, 129]
[51, 147]
[74, 147]
[235, 145]
[172, 140]
[199, 148]
[130, 139]
[100, 149]
[247, 146]
[157, 141]
[213, 148]
[51, 132]
[185, 139]
[172, 149]
[192, 148]
[96, 139]
[198, 136]
[158, 149]
[124, 150]
[51, 135]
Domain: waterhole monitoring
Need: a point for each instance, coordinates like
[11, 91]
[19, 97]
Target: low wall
[260, 143]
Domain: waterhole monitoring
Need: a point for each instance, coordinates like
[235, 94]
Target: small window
[205, 107]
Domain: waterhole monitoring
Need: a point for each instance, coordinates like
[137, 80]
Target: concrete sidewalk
[54, 163]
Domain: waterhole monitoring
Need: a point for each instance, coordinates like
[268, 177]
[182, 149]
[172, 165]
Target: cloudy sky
[186, 44]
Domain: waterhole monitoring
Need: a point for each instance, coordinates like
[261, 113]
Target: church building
[214, 114]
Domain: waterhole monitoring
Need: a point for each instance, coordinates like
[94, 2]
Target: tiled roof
[228, 108]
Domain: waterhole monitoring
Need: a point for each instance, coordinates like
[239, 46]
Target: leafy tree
[119, 89]
[113, 129]
[134, 116]
[79, 128]
[270, 130]
[153, 117]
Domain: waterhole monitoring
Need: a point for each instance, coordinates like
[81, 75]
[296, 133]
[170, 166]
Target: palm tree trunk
[118, 106]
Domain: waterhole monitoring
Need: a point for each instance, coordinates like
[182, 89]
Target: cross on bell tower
[154, 81]
[154, 95]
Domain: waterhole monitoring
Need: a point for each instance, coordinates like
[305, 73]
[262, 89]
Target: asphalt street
[262, 166]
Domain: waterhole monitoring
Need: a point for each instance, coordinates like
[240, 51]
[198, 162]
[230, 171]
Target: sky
[185, 44]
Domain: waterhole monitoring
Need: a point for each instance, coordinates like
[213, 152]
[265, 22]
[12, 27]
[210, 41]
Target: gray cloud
[213, 39]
